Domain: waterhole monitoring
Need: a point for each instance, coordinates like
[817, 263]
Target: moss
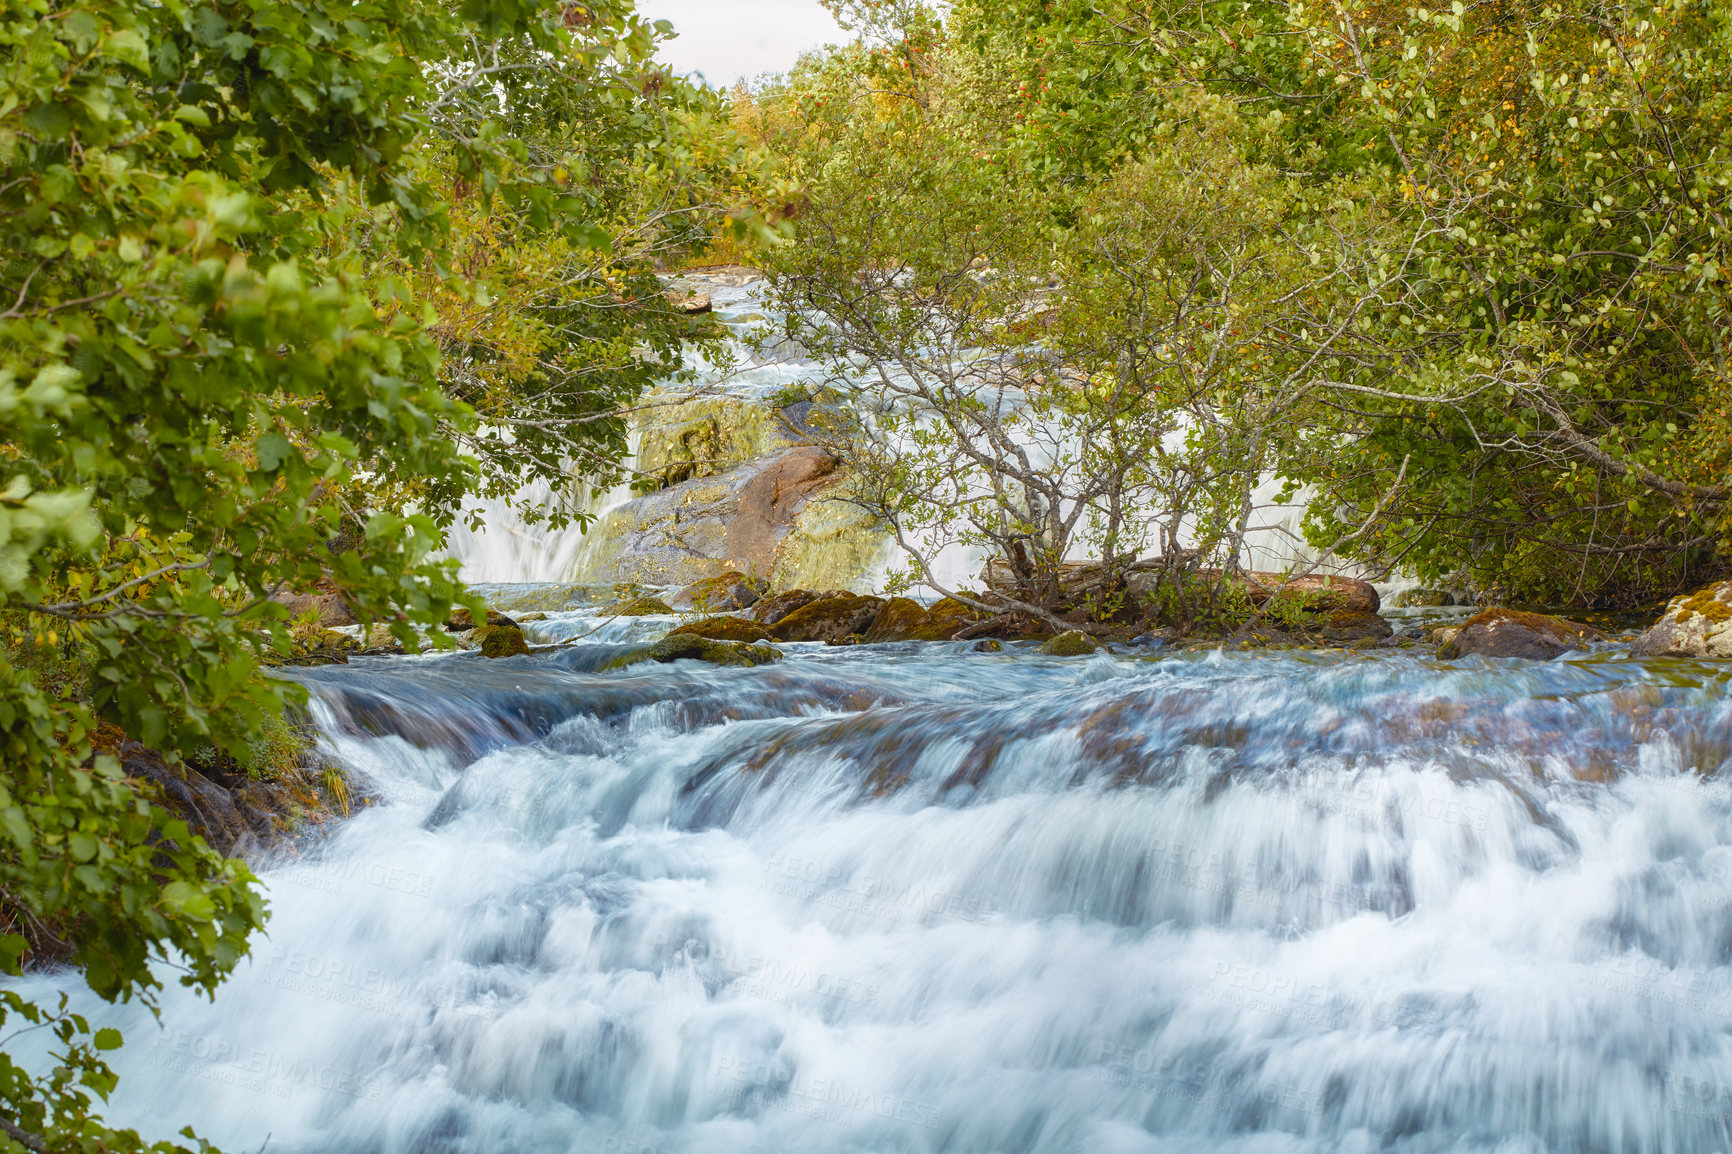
[641, 607]
[497, 641]
[691, 647]
[1073, 644]
[724, 629]
[1706, 604]
[832, 545]
[828, 619]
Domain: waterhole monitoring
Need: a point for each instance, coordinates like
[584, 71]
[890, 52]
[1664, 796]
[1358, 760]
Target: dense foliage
[274, 276]
[1518, 209]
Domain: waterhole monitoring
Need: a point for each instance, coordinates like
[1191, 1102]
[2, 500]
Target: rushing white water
[914, 898]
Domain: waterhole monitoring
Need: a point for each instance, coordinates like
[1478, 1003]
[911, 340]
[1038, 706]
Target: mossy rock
[905, 619]
[777, 606]
[1500, 632]
[722, 593]
[691, 647]
[641, 607]
[1699, 625]
[1076, 643]
[724, 629]
[831, 619]
[1344, 625]
[462, 621]
[497, 641]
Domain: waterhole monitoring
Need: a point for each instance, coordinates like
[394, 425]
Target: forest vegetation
[284, 285]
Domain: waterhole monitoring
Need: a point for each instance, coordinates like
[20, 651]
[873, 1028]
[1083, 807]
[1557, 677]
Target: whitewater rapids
[911, 898]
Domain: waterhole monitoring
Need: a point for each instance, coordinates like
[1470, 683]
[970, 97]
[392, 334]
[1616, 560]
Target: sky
[729, 39]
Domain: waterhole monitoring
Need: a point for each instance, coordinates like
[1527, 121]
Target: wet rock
[722, 593]
[1699, 625]
[829, 619]
[1500, 632]
[640, 607]
[1329, 594]
[1423, 598]
[736, 522]
[501, 640]
[691, 647]
[724, 629]
[690, 302]
[1345, 625]
[773, 608]
[1073, 644]
[462, 620]
[381, 642]
[989, 646]
[905, 619]
[333, 611]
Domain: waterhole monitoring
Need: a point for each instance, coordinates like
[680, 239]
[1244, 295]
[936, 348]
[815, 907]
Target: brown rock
[1345, 625]
[773, 608]
[721, 593]
[831, 619]
[461, 620]
[503, 639]
[734, 521]
[1699, 625]
[1500, 632]
[724, 629]
[640, 607]
[1324, 594]
[904, 619]
[333, 610]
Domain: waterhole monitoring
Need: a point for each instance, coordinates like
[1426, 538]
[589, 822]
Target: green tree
[223, 231]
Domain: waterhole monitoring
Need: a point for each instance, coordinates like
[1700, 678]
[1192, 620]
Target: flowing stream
[914, 898]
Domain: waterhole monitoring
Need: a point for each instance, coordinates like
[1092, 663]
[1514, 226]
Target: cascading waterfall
[917, 898]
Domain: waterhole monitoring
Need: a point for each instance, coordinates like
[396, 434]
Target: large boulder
[1699, 625]
[501, 640]
[1499, 632]
[905, 619]
[1329, 594]
[778, 605]
[721, 594]
[1076, 643]
[734, 522]
[333, 612]
[462, 620]
[1344, 626]
[691, 647]
[724, 629]
[831, 619]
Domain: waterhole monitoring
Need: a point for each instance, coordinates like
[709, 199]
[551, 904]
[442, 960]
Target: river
[915, 898]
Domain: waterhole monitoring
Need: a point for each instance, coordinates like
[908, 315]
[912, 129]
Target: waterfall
[916, 898]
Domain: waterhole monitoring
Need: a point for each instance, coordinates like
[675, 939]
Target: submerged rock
[1500, 632]
[721, 593]
[691, 647]
[1076, 643]
[724, 629]
[830, 619]
[1699, 625]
